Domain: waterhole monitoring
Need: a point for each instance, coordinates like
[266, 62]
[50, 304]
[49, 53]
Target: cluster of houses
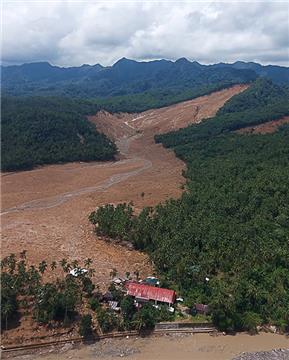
[147, 290]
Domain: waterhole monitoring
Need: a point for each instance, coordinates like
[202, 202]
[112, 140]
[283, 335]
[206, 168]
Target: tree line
[157, 98]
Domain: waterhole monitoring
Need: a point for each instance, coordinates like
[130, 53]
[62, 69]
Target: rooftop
[150, 292]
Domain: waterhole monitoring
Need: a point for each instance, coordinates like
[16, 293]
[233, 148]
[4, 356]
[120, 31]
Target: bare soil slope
[265, 128]
[44, 211]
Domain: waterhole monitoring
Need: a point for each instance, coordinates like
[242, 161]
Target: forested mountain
[43, 72]
[38, 131]
[123, 78]
[263, 93]
[279, 74]
[225, 241]
[131, 77]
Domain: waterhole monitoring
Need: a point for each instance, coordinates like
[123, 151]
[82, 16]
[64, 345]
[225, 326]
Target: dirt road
[44, 211]
[170, 347]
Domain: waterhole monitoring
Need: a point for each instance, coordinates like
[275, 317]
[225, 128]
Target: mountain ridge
[127, 76]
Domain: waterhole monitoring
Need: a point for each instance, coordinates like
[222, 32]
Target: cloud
[71, 33]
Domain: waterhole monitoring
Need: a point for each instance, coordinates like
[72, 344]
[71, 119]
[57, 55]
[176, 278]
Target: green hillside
[37, 131]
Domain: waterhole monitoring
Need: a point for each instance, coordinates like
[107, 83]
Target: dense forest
[225, 241]
[37, 131]
[129, 77]
[125, 77]
[128, 85]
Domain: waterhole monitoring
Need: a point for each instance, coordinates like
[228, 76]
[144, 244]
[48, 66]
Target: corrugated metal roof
[113, 305]
[151, 292]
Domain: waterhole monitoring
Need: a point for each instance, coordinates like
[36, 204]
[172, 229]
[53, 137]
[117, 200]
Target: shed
[202, 309]
[117, 281]
[151, 280]
[107, 296]
[78, 271]
[114, 305]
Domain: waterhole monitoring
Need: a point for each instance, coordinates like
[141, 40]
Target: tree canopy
[37, 131]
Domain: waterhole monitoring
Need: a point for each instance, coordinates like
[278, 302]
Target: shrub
[127, 307]
[147, 317]
[250, 321]
[94, 303]
[85, 328]
[88, 286]
[106, 319]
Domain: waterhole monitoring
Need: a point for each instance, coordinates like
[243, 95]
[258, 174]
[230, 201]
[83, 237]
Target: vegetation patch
[70, 300]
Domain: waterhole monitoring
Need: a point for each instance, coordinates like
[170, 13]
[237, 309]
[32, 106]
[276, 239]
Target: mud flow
[45, 211]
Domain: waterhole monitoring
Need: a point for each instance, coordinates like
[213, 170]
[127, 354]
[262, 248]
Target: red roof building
[146, 292]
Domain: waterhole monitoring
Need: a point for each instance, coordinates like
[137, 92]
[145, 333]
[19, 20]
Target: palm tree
[113, 273]
[67, 268]
[34, 279]
[91, 272]
[7, 310]
[22, 275]
[4, 263]
[87, 262]
[74, 264]
[53, 265]
[136, 274]
[42, 266]
[11, 262]
[63, 263]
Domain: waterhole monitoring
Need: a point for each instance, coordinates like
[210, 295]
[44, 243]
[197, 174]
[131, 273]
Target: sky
[72, 33]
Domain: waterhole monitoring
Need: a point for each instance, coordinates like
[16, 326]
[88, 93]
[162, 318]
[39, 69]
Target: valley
[144, 180]
[45, 210]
